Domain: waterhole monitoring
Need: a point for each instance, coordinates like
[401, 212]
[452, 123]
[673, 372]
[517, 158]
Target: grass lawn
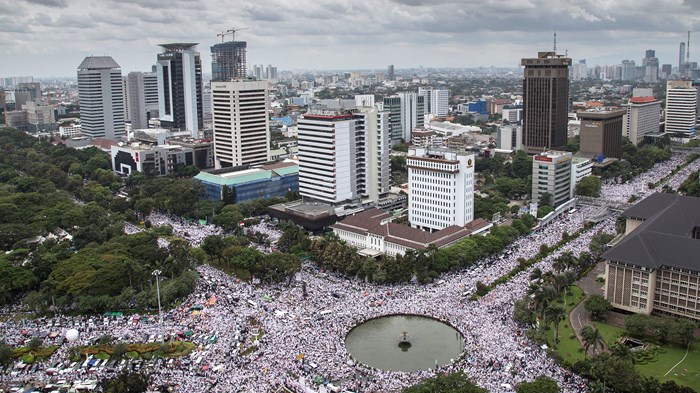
[609, 332]
[567, 347]
[686, 373]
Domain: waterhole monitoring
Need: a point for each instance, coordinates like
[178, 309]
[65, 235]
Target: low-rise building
[551, 174]
[248, 183]
[373, 234]
[655, 267]
[162, 160]
[580, 168]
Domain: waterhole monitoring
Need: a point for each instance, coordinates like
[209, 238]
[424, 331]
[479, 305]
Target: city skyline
[50, 37]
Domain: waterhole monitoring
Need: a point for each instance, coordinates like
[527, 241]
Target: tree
[5, 354]
[591, 338]
[126, 382]
[682, 331]
[636, 324]
[451, 383]
[589, 186]
[598, 306]
[545, 199]
[521, 311]
[541, 384]
[554, 314]
[622, 352]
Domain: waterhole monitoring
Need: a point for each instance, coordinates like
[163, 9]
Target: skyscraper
[142, 98]
[545, 101]
[390, 72]
[101, 98]
[412, 113]
[179, 70]
[228, 61]
[681, 108]
[681, 59]
[392, 105]
[327, 166]
[373, 149]
[241, 123]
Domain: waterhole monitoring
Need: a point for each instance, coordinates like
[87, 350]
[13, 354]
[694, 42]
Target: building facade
[142, 98]
[101, 94]
[327, 154]
[580, 168]
[412, 113]
[509, 137]
[601, 132]
[654, 268]
[156, 160]
[441, 188]
[241, 122]
[681, 108]
[373, 147]
[228, 61]
[249, 184]
[545, 101]
[642, 118]
[180, 104]
[551, 174]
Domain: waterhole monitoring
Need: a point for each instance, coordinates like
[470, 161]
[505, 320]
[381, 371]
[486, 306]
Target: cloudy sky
[51, 37]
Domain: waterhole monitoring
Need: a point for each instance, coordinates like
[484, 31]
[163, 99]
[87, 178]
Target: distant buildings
[101, 95]
[179, 71]
[412, 113]
[681, 108]
[141, 98]
[643, 116]
[601, 132]
[241, 122]
[545, 101]
[441, 188]
[435, 101]
[654, 268]
[551, 174]
[390, 73]
[509, 137]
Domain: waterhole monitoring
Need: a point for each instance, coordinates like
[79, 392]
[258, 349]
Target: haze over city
[50, 37]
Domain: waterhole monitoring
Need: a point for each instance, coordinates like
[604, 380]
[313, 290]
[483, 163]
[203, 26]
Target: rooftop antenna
[555, 39]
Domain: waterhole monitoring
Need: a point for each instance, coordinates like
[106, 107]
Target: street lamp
[156, 273]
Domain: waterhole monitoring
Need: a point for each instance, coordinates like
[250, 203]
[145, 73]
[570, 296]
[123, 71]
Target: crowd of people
[269, 336]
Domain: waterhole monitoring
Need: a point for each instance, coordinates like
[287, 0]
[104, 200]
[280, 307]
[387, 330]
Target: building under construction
[228, 59]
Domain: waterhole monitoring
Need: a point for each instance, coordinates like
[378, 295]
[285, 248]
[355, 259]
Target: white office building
[100, 90]
[70, 131]
[509, 137]
[643, 117]
[364, 100]
[327, 153]
[435, 101]
[141, 98]
[241, 123]
[373, 147]
[580, 168]
[412, 113]
[681, 107]
[551, 174]
[441, 188]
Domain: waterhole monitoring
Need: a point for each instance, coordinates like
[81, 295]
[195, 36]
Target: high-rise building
[392, 105]
[651, 70]
[40, 116]
[390, 73]
[580, 71]
[327, 153]
[681, 59]
[33, 88]
[681, 108]
[509, 137]
[629, 70]
[551, 174]
[435, 101]
[373, 147]
[228, 61]
[545, 101]
[642, 117]
[649, 54]
[412, 113]
[241, 122]
[271, 73]
[100, 90]
[141, 98]
[601, 132]
[179, 70]
[441, 188]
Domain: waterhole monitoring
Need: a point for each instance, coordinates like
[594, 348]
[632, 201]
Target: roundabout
[404, 342]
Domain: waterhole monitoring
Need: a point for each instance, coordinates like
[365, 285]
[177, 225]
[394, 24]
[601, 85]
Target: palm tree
[622, 352]
[543, 298]
[554, 314]
[591, 338]
[559, 265]
[536, 274]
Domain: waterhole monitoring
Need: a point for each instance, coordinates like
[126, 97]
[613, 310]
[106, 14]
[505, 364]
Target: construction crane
[232, 32]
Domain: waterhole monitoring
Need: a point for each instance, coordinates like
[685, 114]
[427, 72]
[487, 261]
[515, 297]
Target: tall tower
[100, 90]
[241, 123]
[681, 62]
[390, 72]
[545, 101]
[228, 61]
[179, 70]
[681, 108]
[142, 98]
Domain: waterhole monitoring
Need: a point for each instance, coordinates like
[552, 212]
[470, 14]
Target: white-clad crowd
[295, 342]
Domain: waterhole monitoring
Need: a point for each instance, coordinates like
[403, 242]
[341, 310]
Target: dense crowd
[268, 336]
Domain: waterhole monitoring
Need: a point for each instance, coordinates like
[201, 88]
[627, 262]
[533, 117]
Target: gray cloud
[344, 33]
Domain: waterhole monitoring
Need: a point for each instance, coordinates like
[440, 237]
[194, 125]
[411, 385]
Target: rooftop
[98, 63]
[666, 236]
